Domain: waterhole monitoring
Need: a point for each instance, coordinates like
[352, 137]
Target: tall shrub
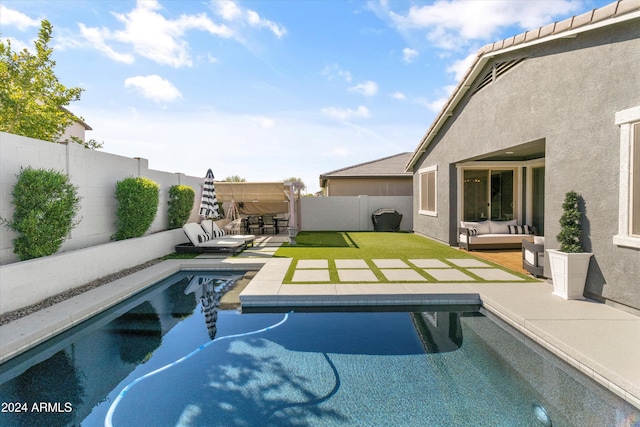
[181, 199]
[45, 205]
[570, 227]
[138, 200]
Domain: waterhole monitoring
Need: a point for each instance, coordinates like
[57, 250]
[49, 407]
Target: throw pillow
[519, 229]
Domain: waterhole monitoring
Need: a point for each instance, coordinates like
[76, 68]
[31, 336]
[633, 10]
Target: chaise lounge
[201, 241]
[210, 227]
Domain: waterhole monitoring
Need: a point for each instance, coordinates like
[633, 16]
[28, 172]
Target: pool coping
[560, 326]
[607, 355]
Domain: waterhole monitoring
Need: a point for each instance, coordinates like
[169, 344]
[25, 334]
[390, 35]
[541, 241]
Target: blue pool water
[177, 355]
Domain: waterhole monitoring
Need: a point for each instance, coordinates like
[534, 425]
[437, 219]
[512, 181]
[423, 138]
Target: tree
[234, 178]
[299, 180]
[31, 96]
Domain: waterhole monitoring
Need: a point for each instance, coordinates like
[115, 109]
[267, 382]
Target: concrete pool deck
[597, 339]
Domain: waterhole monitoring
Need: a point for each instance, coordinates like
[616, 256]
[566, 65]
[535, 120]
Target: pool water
[208, 364]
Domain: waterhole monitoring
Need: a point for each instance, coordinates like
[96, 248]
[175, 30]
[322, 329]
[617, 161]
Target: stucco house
[380, 177]
[537, 115]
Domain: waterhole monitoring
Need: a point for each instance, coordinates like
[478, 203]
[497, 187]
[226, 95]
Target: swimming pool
[216, 366]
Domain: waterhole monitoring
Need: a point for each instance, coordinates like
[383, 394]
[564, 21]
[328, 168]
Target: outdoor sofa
[201, 241]
[491, 234]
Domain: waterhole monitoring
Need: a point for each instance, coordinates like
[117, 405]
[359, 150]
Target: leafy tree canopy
[31, 96]
[235, 178]
[299, 180]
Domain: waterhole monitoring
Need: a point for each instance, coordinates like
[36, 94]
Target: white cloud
[256, 21]
[228, 10]
[96, 38]
[264, 122]
[408, 54]
[460, 67]
[398, 95]
[333, 70]
[452, 23]
[19, 45]
[231, 12]
[151, 35]
[346, 113]
[368, 88]
[154, 87]
[10, 17]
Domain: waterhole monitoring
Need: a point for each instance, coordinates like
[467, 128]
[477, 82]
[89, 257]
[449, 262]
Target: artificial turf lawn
[332, 245]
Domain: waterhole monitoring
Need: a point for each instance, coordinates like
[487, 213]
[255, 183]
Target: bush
[138, 200]
[570, 227]
[181, 199]
[45, 205]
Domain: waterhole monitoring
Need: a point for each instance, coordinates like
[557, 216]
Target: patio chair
[254, 223]
[201, 241]
[282, 223]
[268, 224]
[212, 228]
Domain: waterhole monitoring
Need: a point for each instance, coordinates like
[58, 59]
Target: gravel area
[9, 317]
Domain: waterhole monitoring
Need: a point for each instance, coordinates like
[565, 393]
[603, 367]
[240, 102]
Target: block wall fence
[95, 173]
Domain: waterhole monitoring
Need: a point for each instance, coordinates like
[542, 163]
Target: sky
[269, 89]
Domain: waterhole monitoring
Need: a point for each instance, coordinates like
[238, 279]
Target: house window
[629, 211]
[428, 191]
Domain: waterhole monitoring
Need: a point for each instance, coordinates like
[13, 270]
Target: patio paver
[448, 274]
[310, 276]
[313, 263]
[390, 263]
[351, 263]
[429, 263]
[403, 275]
[467, 262]
[360, 275]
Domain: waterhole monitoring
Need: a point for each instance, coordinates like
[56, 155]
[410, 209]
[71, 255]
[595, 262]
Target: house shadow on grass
[323, 239]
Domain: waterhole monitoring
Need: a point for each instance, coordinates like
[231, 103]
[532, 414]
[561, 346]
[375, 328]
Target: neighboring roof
[77, 119]
[392, 166]
[619, 11]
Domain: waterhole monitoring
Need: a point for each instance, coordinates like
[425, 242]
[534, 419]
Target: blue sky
[267, 89]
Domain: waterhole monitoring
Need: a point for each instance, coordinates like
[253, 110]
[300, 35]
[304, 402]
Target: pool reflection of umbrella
[209, 201]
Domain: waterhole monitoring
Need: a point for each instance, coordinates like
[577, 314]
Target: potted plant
[570, 264]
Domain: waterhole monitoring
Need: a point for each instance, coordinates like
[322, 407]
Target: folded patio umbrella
[209, 201]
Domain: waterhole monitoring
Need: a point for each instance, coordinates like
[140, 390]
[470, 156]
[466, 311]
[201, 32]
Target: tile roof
[387, 166]
[607, 15]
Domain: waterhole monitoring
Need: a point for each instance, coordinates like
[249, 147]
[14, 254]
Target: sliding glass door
[488, 194]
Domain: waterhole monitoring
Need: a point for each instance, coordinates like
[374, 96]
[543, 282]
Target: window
[428, 191]
[629, 213]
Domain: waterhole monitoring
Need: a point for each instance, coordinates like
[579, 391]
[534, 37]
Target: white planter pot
[569, 273]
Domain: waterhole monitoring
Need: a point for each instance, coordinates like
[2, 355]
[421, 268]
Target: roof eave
[490, 51]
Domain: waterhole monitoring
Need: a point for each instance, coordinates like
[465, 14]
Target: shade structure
[209, 201]
[232, 211]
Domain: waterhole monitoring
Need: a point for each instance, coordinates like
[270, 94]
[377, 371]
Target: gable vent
[496, 71]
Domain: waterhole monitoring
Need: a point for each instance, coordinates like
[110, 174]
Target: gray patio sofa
[491, 234]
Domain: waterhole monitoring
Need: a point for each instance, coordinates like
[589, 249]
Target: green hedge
[138, 200]
[181, 199]
[45, 205]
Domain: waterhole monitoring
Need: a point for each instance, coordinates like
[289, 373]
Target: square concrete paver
[494, 274]
[390, 263]
[448, 274]
[429, 263]
[465, 262]
[403, 275]
[351, 263]
[312, 263]
[310, 276]
[357, 276]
